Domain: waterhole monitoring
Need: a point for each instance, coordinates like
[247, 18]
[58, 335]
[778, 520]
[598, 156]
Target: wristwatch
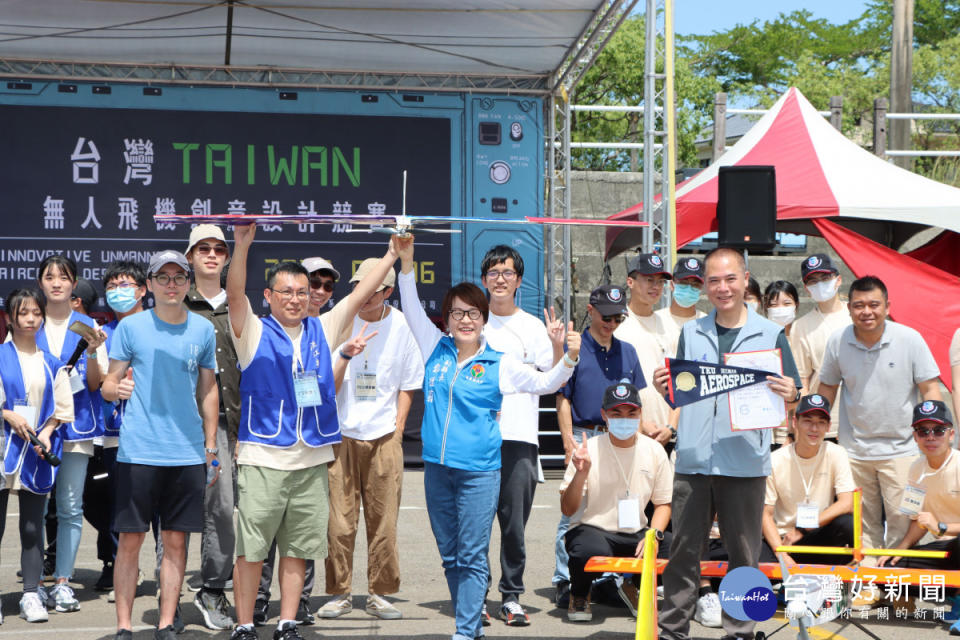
[215, 451]
[799, 395]
[658, 535]
[941, 528]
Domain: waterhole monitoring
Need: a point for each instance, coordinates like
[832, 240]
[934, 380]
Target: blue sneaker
[953, 615]
[955, 628]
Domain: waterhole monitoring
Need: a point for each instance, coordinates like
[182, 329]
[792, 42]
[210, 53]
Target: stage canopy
[862, 205]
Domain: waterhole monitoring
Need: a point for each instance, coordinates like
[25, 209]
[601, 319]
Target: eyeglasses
[507, 275]
[288, 295]
[121, 285]
[473, 314]
[319, 283]
[926, 433]
[218, 249]
[617, 318]
[164, 279]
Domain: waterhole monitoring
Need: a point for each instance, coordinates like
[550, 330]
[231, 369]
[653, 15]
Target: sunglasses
[936, 431]
[619, 318]
[318, 283]
[218, 249]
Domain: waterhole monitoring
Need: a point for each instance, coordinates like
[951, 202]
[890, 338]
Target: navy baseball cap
[648, 264]
[688, 268]
[620, 393]
[932, 411]
[817, 263]
[813, 402]
[608, 300]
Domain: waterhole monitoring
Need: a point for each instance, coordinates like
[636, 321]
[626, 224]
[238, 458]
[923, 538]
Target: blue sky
[702, 17]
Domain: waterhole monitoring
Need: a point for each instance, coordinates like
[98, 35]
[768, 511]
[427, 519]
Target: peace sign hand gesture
[581, 456]
[358, 343]
[554, 326]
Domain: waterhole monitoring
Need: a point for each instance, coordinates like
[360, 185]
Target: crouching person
[609, 481]
[809, 494]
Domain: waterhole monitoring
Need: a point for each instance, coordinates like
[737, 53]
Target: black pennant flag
[691, 381]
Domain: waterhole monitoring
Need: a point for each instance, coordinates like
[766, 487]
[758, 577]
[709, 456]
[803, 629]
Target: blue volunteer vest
[269, 414]
[87, 421]
[460, 428]
[111, 412]
[19, 456]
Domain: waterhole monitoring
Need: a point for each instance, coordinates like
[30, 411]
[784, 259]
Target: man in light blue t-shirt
[158, 360]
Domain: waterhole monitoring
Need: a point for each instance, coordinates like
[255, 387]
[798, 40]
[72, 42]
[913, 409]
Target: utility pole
[901, 78]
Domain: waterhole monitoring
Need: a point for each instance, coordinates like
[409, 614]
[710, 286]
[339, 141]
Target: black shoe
[562, 595]
[123, 634]
[105, 581]
[288, 632]
[304, 617]
[261, 612]
[167, 633]
[178, 624]
[242, 633]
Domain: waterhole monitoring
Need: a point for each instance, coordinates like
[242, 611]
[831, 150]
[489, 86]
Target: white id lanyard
[808, 513]
[628, 507]
[25, 411]
[76, 382]
[307, 390]
[914, 492]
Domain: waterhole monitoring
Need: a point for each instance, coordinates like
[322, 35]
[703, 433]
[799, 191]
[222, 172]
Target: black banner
[87, 182]
[692, 381]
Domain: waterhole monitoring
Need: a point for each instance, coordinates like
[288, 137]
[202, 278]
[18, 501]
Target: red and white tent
[829, 186]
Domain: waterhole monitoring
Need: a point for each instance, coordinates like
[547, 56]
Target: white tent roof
[498, 37]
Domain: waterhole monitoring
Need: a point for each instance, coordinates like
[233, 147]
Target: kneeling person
[608, 482]
[809, 495]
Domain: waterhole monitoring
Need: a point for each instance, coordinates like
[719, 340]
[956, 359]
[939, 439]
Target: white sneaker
[336, 606]
[63, 599]
[709, 613]
[32, 608]
[380, 608]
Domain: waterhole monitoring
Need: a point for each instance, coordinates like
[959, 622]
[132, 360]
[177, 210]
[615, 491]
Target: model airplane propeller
[401, 224]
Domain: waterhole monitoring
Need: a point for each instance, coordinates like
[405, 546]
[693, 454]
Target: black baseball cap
[621, 393]
[688, 268]
[932, 411]
[817, 263]
[813, 402]
[648, 264]
[86, 293]
[608, 300]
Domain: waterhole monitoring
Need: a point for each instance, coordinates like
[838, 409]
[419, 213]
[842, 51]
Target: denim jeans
[461, 505]
[70, 480]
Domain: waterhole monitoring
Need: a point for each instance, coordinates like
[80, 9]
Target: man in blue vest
[719, 472]
[288, 424]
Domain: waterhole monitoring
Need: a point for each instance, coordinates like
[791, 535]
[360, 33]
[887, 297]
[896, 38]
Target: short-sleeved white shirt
[879, 389]
[808, 338]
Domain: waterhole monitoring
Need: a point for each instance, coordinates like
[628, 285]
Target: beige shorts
[291, 506]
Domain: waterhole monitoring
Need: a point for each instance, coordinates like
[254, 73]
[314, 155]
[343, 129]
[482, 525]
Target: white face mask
[824, 290]
[753, 304]
[782, 315]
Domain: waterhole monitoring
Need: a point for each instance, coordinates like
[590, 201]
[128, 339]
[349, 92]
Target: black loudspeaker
[747, 207]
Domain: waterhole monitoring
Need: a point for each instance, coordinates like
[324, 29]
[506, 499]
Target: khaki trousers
[882, 482]
[367, 472]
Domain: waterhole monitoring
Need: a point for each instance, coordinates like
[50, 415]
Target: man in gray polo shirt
[883, 367]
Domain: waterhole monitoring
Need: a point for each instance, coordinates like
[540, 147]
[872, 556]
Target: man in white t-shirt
[649, 334]
[607, 485]
[373, 403]
[809, 496]
[810, 332]
[686, 289]
[883, 366]
[510, 329]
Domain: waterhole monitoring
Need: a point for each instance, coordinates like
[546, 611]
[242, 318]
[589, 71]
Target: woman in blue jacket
[463, 386]
[35, 396]
[57, 279]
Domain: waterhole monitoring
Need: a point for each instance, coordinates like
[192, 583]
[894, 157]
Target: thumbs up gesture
[581, 456]
[573, 342]
[125, 388]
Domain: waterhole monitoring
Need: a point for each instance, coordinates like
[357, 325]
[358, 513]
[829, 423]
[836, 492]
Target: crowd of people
[298, 417]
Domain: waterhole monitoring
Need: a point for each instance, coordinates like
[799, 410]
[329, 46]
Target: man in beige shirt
[809, 494]
[822, 280]
[686, 287]
[607, 485]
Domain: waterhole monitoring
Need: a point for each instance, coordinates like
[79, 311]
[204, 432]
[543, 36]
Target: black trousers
[585, 541]
[836, 533]
[518, 481]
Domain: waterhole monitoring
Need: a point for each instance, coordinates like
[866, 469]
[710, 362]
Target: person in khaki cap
[373, 403]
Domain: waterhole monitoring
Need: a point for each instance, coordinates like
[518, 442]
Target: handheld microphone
[81, 347]
[47, 455]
